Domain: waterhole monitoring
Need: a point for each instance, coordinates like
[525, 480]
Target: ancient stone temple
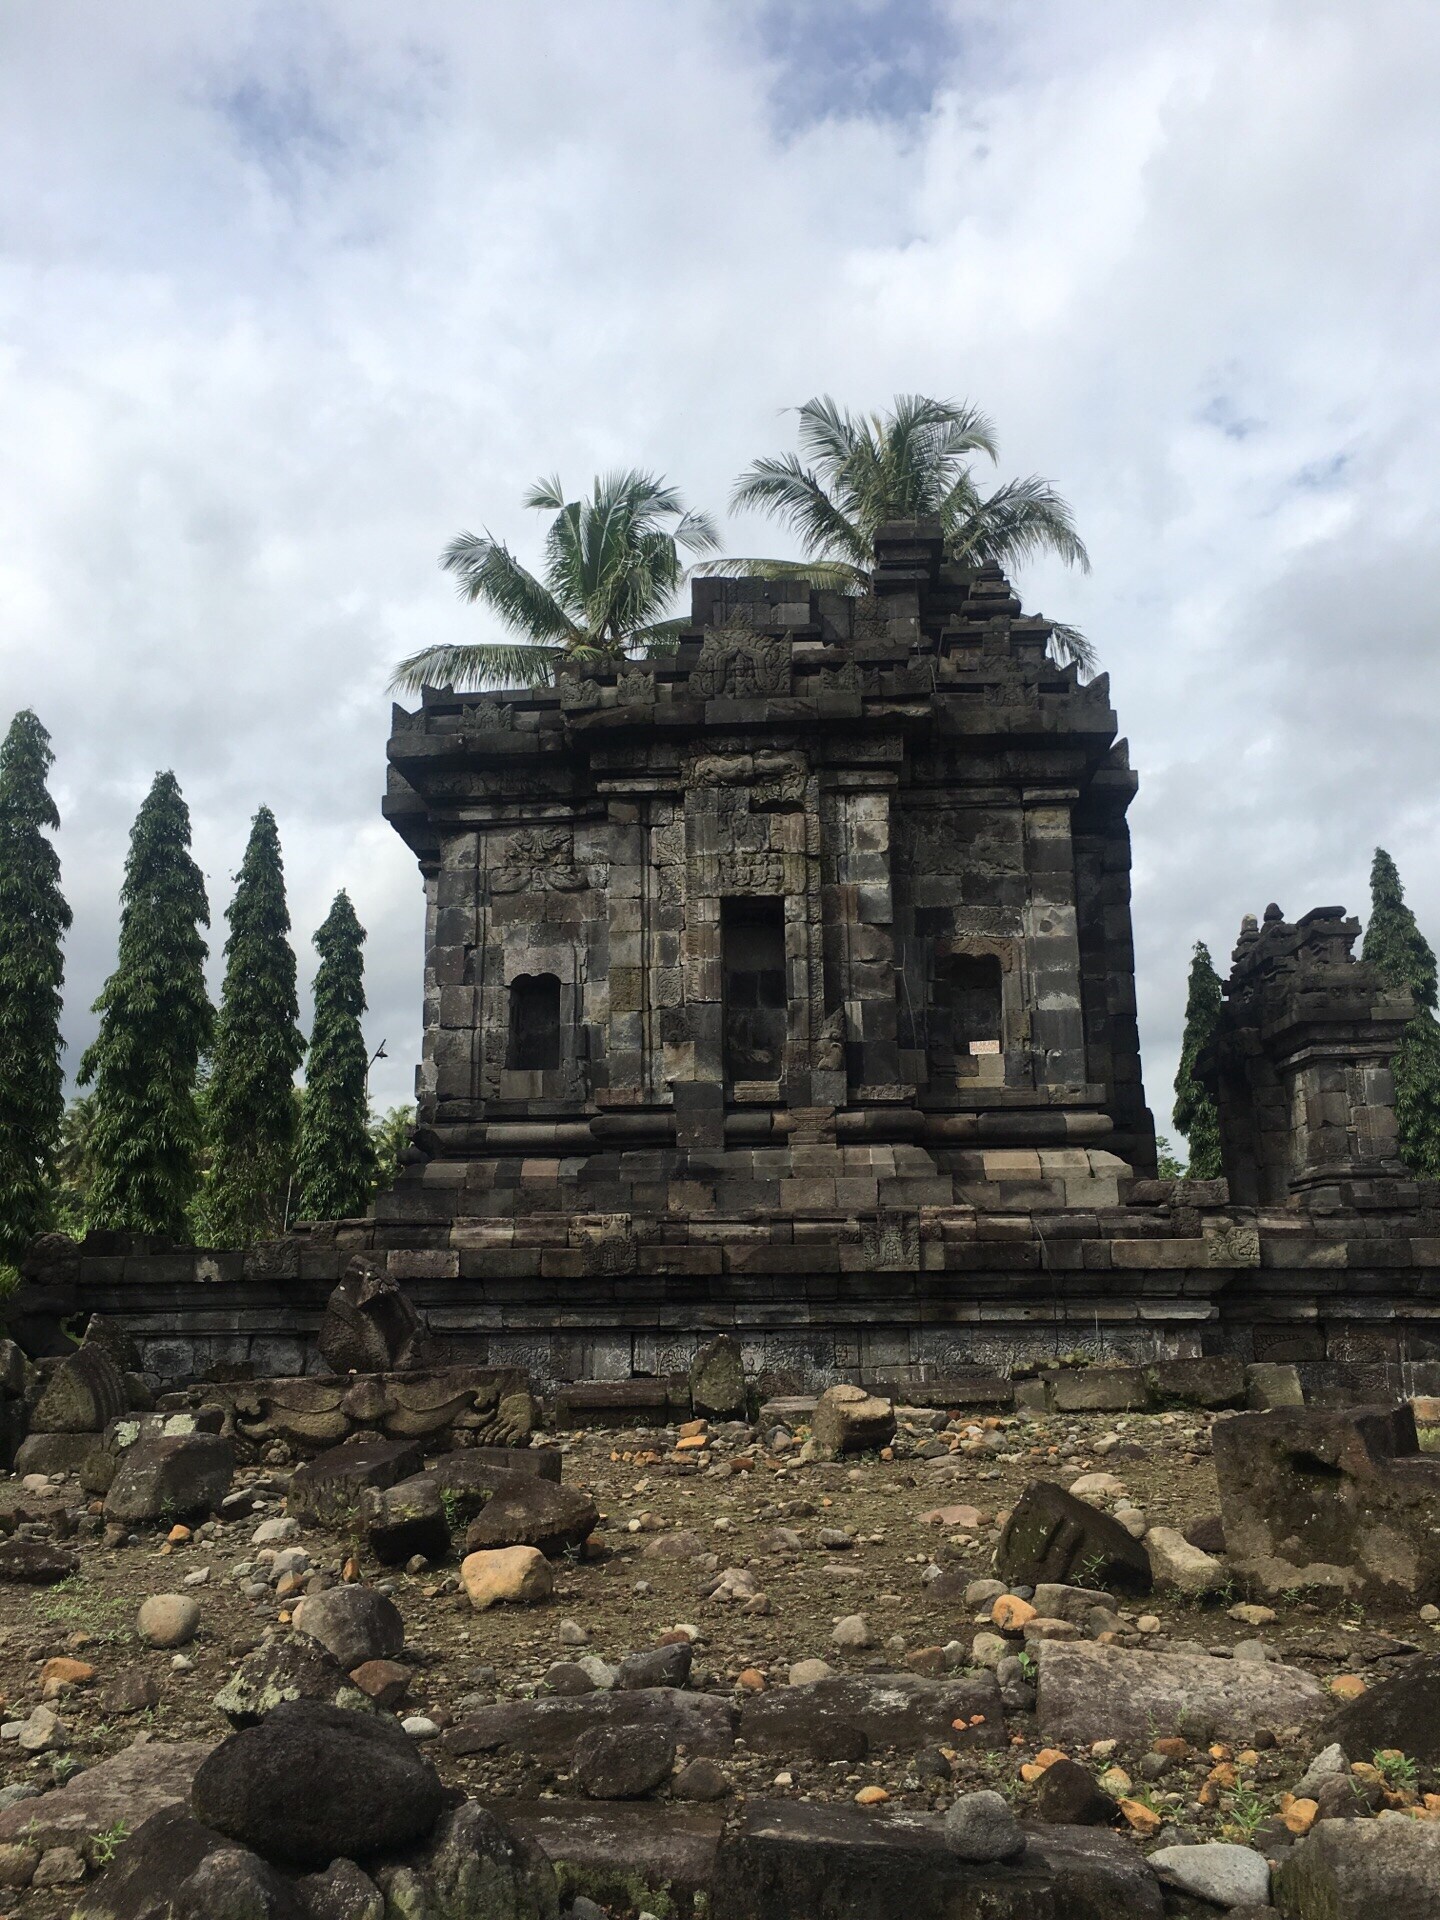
[844, 875]
[785, 987]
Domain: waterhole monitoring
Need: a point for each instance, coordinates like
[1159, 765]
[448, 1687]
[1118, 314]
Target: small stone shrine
[785, 988]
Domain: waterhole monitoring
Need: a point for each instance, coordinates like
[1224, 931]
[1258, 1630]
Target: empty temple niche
[534, 1045]
[752, 946]
[966, 1024]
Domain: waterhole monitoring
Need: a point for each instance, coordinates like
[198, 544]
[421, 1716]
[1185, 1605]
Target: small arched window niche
[534, 1038]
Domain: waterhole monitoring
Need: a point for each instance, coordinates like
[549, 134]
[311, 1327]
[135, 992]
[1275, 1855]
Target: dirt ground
[735, 1494]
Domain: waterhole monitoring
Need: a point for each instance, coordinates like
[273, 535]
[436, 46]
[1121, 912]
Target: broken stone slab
[789, 1410]
[784, 1860]
[1096, 1389]
[1087, 1692]
[622, 1763]
[125, 1790]
[149, 1876]
[548, 1729]
[650, 1402]
[849, 1715]
[60, 1453]
[325, 1491]
[972, 1392]
[81, 1394]
[717, 1379]
[468, 1478]
[1053, 1538]
[1401, 1711]
[526, 1511]
[179, 1477]
[1181, 1567]
[1205, 1380]
[1339, 1503]
[849, 1420]
[1271, 1384]
[35, 1563]
[625, 1854]
[1355, 1869]
[409, 1518]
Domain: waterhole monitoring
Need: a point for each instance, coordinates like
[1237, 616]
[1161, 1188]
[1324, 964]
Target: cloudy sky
[291, 292]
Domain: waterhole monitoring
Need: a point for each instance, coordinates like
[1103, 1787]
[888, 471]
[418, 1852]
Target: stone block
[1097, 1389]
[1339, 1503]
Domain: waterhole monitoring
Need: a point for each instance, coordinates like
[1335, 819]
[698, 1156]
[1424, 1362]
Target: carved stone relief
[537, 860]
[737, 664]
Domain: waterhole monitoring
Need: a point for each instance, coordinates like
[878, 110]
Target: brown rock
[518, 1576]
[386, 1681]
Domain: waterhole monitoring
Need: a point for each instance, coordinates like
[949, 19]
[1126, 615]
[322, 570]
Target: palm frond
[547, 494]
[479, 665]
[1069, 645]
[485, 569]
[789, 492]
[696, 532]
[825, 576]
[1018, 521]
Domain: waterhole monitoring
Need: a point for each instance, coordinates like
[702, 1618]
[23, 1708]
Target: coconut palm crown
[612, 566]
[856, 472]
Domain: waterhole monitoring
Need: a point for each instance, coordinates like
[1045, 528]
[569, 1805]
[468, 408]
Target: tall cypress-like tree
[1195, 1113]
[335, 1163]
[33, 919]
[155, 1023]
[1403, 956]
[250, 1108]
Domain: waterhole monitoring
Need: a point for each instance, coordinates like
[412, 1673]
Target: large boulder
[326, 1490]
[354, 1624]
[1356, 1869]
[1400, 1711]
[1215, 1871]
[1051, 1537]
[1087, 1693]
[310, 1784]
[183, 1477]
[1341, 1502]
[849, 1420]
[369, 1324]
[717, 1379]
[35, 1563]
[164, 1848]
[526, 1511]
[81, 1394]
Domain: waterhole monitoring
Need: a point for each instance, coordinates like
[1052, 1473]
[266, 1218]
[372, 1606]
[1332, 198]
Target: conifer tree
[33, 919]
[155, 1023]
[335, 1163]
[250, 1109]
[1395, 946]
[1195, 1113]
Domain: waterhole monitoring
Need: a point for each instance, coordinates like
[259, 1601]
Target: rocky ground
[871, 1565]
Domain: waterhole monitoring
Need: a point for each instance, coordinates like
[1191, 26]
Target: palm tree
[913, 463]
[612, 565]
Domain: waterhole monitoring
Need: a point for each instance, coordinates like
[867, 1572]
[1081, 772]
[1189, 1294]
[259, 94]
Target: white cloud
[290, 293]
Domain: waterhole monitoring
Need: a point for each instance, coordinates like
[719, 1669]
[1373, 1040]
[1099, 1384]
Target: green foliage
[1168, 1165]
[389, 1137]
[75, 1165]
[155, 1023]
[612, 566]
[1194, 1111]
[1395, 946]
[1398, 1769]
[914, 462]
[335, 1162]
[250, 1104]
[33, 920]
